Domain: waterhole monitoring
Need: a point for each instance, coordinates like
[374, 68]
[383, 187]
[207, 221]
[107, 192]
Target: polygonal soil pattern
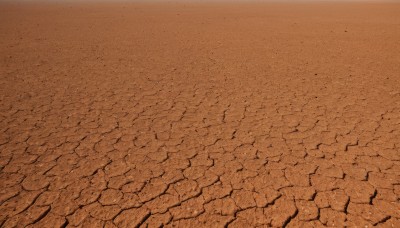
[199, 114]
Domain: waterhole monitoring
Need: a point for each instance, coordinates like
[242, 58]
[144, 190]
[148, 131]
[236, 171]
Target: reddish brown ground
[193, 115]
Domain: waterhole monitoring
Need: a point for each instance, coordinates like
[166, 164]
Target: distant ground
[199, 114]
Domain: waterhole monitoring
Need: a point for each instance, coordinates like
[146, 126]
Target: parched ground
[199, 115]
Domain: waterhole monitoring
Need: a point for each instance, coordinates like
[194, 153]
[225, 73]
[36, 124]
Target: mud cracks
[206, 138]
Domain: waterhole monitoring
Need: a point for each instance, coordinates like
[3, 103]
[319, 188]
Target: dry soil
[199, 114]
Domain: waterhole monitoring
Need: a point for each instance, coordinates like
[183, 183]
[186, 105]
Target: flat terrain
[200, 114]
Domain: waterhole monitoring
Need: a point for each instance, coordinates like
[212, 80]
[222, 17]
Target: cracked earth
[199, 115]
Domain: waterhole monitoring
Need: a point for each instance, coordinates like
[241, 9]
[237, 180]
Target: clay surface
[199, 114]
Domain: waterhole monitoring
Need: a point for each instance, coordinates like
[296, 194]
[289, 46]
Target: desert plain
[199, 114]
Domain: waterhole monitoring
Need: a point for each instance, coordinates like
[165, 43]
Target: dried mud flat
[199, 115]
